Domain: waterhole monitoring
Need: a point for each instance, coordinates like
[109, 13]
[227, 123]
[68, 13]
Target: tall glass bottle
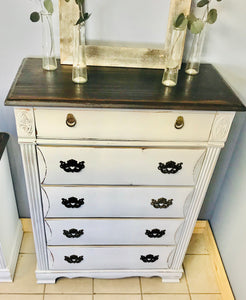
[49, 60]
[79, 73]
[174, 53]
[194, 56]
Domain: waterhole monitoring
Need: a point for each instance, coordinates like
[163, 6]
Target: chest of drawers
[117, 171]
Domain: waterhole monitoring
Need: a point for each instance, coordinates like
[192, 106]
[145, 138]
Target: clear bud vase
[194, 55]
[79, 73]
[49, 60]
[174, 53]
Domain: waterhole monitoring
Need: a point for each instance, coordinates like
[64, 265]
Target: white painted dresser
[117, 169]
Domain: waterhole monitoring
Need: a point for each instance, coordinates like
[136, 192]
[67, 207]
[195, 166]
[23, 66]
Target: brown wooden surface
[4, 137]
[121, 88]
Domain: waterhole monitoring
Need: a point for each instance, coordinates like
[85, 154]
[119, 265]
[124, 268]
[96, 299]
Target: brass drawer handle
[71, 121]
[179, 122]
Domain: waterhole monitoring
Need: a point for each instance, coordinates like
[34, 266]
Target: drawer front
[123, 166]
[109, 258]
[118, 201]
[121, 125]
[111, 231]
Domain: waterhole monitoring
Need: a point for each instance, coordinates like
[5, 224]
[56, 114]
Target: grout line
[141, 290]
[93, 288]
[186, 280]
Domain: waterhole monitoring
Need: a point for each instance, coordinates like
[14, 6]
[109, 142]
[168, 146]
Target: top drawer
[121, 125]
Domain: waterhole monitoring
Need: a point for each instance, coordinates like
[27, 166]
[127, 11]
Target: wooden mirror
[129, 33]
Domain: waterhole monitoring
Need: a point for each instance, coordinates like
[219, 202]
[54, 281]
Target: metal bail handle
[179, 122]
[71, 121]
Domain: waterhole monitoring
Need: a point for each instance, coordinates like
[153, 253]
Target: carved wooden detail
[25, 122]
[221, 126]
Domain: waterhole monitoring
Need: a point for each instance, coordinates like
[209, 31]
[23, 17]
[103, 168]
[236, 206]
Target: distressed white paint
[109, 124]
[29, 158]
[116, 163]
[106, 258]
[111, 231]
[101, 201]
[122, 166]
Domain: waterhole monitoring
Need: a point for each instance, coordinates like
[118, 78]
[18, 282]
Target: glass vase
[49, 60]
[79, 73]
[174, 53]
[194, 56]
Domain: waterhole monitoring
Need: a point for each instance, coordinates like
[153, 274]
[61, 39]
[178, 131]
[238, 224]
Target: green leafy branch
[82, 16]
[194, 24]
[46, 4]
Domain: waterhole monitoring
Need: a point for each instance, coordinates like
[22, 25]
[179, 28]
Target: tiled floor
[198, 283]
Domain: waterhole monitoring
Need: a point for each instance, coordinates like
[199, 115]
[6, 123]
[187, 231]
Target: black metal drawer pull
[74, 259]
[161, 203]
[150, 258]
[73, 233]
[155, 233]
[73, 202]
[72, 166]
[170, 167]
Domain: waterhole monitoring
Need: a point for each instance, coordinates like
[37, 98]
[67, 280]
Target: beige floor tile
[68, 297]
[21, 297]
[122, 286]
[200, 274]
[166, 297]
[198, 244]
[206, 297]
[24, 280]
[27, 245]
[70, 286]
[155, 285]
[117, 297]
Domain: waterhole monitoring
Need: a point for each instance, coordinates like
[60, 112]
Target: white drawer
[121, 125]
[109, 258]
[123, 166]
[72, 201]
[111, 231]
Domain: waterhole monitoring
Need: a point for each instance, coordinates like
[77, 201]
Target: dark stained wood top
[4, 137]
[109, 87]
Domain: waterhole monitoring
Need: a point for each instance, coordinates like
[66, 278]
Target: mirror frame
[117, 56]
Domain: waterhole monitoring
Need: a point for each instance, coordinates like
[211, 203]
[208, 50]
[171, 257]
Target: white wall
[225, 46]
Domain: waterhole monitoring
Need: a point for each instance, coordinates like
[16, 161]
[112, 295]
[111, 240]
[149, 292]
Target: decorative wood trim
[111, 143]
[221, 126]
[29, 157]
[117, 56]
[196, 203]
[166, 275]
[25, 122]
